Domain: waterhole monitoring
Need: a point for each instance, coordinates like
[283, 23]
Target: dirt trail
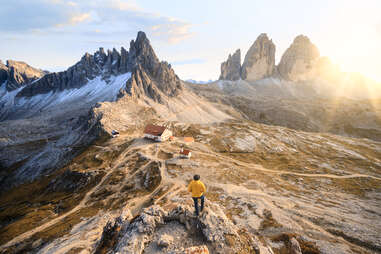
[281, 172]
[29, 233]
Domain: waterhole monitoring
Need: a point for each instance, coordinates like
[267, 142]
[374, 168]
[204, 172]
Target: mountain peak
[260, 59]
[298, 60]
[17, 74]
[140, 60]
[302, 39]
[231, 68]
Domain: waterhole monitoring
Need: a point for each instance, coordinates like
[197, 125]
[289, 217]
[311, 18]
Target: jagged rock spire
[259, 60]
[231, 68]
[149, 75]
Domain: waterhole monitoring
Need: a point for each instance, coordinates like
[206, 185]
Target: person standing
[197, 188]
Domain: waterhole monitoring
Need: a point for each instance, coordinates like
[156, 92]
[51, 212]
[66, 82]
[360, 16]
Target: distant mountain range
[199, 81]
[290, 154]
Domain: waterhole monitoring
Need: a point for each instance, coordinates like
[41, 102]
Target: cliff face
[260, 59]
[141, 58]
[17, 74]
[231, 68]
[298, 62]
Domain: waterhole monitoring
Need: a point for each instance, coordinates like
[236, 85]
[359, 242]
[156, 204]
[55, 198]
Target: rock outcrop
[299, 60]
[259, 60]
[221, 235]
[231, 68]
[17, 74]
[149, 75]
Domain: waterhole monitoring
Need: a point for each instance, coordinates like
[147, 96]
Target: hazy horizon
[194, 37]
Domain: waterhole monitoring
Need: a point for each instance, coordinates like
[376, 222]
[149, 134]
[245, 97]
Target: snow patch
[95, 90]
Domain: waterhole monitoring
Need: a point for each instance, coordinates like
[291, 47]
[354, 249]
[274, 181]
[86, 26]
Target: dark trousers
[196, 203]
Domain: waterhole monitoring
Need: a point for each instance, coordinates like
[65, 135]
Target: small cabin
[185, 153]
[157, 133]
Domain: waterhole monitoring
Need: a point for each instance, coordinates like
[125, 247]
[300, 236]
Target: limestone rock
[295, 247]
[222, 235]
[231, 68]
[203, 249]
[3, 73]
[298, 61]
[259, 60]
[139, 232]
[165, 240]
[150, 77]
[17, 74]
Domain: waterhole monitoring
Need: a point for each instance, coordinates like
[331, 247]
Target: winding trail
[176, 184]
[82, 204]
[279, 172]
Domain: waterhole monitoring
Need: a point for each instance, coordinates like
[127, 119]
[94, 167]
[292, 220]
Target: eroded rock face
[231, 68]
[17, 74]
[221, 235]
[259, 60]
[298, 62]
[148, 73]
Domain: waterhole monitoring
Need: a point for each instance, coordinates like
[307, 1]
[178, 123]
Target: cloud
[94, 18]
[173, 31]
[79, 18]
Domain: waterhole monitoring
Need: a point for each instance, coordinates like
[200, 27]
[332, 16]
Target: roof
[185, 151]
[188, 139]
[155, 130]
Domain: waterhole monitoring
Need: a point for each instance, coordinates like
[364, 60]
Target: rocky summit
[259, 60]
[289, 164]
[299, 60]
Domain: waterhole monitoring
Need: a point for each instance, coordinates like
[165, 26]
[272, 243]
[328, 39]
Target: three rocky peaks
[300, 61]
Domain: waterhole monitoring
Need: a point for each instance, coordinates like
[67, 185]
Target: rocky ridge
[140, 59]
[17, 74]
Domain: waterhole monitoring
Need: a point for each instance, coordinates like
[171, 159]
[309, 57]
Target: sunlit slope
[271, 182]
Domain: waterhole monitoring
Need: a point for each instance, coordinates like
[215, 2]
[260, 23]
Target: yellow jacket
[197, 188]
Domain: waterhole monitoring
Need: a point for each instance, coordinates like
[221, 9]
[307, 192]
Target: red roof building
[156, 132]
[185, 153]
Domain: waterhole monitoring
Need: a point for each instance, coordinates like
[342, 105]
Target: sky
[194, 36]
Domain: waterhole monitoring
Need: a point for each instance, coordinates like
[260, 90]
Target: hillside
[289, 167]
[273, 184]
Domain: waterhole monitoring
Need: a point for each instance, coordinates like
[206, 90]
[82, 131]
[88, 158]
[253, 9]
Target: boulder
[259, 60]
[165, 240]
[295, 247]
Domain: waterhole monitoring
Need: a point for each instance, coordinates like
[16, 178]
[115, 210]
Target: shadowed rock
[231, 68]
[17, 74]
